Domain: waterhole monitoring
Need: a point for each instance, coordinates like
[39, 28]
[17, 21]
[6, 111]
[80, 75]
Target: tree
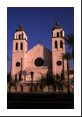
[9, 77]
[67, 56]
[46, 81]
[59, 82]
[70, 41]
[42, 83]
[11, 82]
[49, 80]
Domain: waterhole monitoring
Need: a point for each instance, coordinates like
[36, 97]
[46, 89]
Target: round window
[17, 64]
[59, 63]
[39, 62]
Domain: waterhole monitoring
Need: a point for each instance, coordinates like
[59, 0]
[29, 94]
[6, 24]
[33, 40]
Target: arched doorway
[35, 82]
[36, 76]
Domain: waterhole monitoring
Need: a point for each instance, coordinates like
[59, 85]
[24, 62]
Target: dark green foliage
[9, 77]
[49, 79]
[70, 41]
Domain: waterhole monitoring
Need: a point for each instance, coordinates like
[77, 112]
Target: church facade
[31, 65]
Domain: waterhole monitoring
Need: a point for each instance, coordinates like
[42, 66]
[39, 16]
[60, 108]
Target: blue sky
[38, 23]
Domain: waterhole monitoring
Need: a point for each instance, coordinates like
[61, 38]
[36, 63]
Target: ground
[40, 101]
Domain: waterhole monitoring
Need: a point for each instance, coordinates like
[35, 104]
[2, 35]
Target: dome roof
[20, 28]
[57, 26]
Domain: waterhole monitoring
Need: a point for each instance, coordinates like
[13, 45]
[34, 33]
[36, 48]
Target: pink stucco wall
[27, 59]
[58, 52]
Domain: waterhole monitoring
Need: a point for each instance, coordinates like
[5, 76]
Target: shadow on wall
[47, 58]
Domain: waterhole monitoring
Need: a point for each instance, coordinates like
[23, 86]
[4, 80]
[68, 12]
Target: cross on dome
[20, 28]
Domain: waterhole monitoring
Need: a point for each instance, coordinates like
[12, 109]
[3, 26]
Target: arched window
[61, 44]
[16, 47]
[57, 34]
[19, 36]
[61, 33]
[56, 46]
[21, 46]
[22, 35]
[19, 76]
[16, 36]
[57, 76]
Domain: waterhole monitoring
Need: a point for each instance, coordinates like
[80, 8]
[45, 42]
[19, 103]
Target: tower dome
[57, 26]
[20, 28]
[20, 33]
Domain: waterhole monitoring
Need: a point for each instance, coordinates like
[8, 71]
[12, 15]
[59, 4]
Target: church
[31, 65]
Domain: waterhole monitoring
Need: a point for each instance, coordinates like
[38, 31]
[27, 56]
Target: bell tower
[58, 49]
[20, 46]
